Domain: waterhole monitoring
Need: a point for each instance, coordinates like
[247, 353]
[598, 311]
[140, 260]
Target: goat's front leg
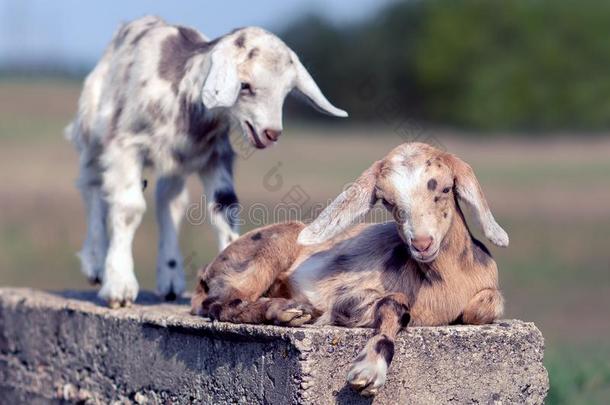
[126, 204]
[171, 200]
[222, 203]
[368, 373]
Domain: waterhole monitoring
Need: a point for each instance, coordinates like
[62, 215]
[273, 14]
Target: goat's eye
[246, 88]
[446, 190]
[386, 203]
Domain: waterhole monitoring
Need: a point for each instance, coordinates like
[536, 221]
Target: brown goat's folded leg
[485, 307]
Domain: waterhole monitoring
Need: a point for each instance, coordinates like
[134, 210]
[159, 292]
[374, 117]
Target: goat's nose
[272, 134]
[421, 243]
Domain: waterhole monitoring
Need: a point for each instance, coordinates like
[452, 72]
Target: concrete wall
[58, 347]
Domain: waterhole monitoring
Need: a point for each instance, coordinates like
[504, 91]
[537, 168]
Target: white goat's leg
[222, 203]
[126, 204]
[171, 201]
[93, 254]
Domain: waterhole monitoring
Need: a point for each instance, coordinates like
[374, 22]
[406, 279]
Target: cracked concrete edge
[321, 356]
[500, 363]
[78, 330]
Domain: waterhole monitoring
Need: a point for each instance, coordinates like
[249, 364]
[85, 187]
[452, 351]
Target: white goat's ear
[307, 87]
[469, 190]
[349, 207]
[221, 86]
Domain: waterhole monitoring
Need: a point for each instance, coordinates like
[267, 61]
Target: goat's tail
[69, 132]
[77, 134]
[75, 137]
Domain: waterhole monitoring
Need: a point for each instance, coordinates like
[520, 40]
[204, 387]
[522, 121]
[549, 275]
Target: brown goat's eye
[387, 204]
[246, 88]
[446, 190]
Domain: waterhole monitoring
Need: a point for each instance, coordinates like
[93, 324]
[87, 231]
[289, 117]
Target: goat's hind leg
[485, 307]
[237, 298]
[93, 253]
[368, 372]
[231, 288]
[233, 280]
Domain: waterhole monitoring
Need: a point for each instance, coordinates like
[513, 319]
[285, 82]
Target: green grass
[578, 375]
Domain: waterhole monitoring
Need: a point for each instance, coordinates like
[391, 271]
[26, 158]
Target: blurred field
[551, 194]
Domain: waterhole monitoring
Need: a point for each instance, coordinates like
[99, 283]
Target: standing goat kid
[424, 269]
[165, 96]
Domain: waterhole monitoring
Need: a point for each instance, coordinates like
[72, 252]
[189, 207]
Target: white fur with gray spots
[165, 96]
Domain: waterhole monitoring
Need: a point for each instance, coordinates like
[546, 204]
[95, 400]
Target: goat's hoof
[369, 392]
[118, 291]
[299, 318]
[116, 304]
[170, 296]
[366, 376]
[294, 315]
[95, 280]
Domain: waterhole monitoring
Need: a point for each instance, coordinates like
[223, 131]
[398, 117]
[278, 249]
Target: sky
[77, 31]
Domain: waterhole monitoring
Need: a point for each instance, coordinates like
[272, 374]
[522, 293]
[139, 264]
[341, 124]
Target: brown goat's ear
[349, 207]
[469, 190]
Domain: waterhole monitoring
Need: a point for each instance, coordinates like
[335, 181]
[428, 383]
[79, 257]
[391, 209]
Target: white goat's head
[418, 184]
[251, 73]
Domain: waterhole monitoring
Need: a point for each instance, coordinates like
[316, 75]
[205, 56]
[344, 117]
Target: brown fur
[250, 267]
[365, 275]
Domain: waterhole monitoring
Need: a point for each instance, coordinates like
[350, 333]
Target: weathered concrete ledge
[58, 347]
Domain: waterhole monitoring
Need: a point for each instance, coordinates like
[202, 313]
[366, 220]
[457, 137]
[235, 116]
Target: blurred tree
[519, 64]
[361, 65]
[485, 64]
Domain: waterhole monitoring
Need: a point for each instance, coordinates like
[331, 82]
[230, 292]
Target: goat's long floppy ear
[221, 86]
[469, 190]
[307, 87]
[349, 207]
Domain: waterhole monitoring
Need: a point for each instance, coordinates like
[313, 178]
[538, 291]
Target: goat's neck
[195, 72]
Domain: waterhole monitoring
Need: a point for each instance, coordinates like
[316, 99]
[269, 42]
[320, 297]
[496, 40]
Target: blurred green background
[488, 64]
[519, 89]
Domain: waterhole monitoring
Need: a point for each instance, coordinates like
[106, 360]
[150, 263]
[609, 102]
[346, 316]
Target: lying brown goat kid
[424, 269]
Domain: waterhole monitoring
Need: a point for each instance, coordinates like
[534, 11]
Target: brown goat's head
[417, 183]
